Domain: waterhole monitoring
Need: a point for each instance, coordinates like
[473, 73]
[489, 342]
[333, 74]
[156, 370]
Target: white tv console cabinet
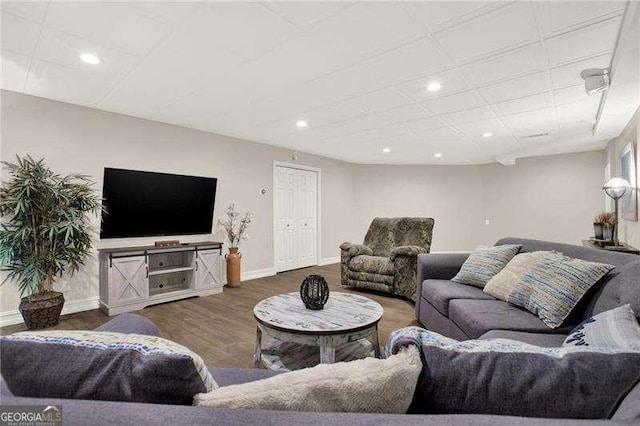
[132, 278]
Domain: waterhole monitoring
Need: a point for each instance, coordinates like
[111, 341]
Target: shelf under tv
[171, 270]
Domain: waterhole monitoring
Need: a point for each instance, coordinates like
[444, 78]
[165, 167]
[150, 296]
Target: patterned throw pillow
[502, 285]
[484, 263]
[616, 328]
[555, 285]
[102, 366]
[511, 378]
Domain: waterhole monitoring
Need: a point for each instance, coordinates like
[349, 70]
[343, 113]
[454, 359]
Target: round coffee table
[346, 318]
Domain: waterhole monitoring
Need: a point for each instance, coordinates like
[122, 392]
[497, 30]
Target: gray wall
[521, 200]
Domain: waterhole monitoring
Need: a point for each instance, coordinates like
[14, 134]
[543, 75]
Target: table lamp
[616, 188]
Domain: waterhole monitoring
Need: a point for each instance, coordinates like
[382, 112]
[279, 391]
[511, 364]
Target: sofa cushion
[476, 317]
[619, 287]
[554, 286]
[484, 263]
[630, 407]
[545, 340]
[372, 264]
[237, 376]
[513, 378]
[440, 292]
[616, 328]
[130, 324]
[367, 385]
[364, 277]
[102, 366]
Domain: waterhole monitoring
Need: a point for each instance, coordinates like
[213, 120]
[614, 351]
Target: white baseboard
[70, 307]
[258, 273]
[329, 261]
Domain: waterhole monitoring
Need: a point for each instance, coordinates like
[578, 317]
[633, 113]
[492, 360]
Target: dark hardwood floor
[221, 328]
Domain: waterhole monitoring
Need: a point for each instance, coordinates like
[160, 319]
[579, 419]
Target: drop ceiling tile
[408, 62]
[442, 135]
[331, 114]
[15, 68]
[562, 15]
[518, 87]
[65, 49]
[424, 124]
[531, 123]
[437, 15]
[19, 35]
[571, 95]
[524, 60]
[451, 81]
[114, 25]
[245, 28]
[381, 100]
[171, 73]
[525, 104]
[469, 116]
[368, 28]
[488, 33]
[165, 12]
[306, 14]
[593, 40]
[452, 103]
[578, 113]
[569, 75]
[57, 82]
[33, 11]
[385, 133]
[474, 130]
[404, 114]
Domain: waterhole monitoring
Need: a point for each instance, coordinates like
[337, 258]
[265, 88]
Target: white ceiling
[356, 72]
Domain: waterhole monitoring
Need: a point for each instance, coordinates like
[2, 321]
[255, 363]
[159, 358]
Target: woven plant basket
[42, 311]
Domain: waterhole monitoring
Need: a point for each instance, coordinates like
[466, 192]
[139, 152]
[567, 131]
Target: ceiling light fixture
[90, 58]
[437, 155]
[386, 150]
[301, 123]
[487, 135]
[434, 86]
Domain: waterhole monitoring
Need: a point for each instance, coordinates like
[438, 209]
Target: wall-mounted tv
[144, 204]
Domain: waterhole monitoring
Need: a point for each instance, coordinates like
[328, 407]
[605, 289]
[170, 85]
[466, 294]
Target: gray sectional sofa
[452, 309]
[465, 312]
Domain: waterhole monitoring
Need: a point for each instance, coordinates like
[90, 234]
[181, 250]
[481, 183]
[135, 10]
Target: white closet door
[307, 202]
[296, 222]
[285, 196]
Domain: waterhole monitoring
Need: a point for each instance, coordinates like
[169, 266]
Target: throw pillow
[484, 263]
[506, 377]
[368, 385]
[102, 366]
[555, 285]
[504, 282]
[616, 328]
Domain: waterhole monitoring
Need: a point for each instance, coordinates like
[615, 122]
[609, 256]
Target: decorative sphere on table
[314, 292]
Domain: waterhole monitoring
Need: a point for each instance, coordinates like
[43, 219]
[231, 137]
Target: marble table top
[344, 312]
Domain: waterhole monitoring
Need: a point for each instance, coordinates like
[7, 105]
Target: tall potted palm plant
[45, 233]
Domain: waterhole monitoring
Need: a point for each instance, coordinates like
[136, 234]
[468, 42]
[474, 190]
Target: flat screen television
[146, 204]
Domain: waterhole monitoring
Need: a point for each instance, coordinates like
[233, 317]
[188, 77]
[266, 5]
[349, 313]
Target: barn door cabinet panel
[132, 278]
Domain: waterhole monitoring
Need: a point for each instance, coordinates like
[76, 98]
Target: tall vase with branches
[235, 226]
[45, 233]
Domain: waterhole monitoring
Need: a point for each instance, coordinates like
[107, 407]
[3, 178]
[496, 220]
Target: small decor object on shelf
[314, 292]
[235, 226]
[45, 233]
[603, 221]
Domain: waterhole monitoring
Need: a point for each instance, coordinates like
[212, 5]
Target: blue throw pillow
[616, 328]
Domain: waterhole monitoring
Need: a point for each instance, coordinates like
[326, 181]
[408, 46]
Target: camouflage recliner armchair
[387, 260]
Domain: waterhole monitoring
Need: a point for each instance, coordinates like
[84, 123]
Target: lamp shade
[616, 187]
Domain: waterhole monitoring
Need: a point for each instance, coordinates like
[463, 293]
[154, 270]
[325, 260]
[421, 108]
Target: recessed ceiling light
[301, 123]
[434, 86]
[385, 150]
[487, 135]
[90, 58]
[437, 155]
